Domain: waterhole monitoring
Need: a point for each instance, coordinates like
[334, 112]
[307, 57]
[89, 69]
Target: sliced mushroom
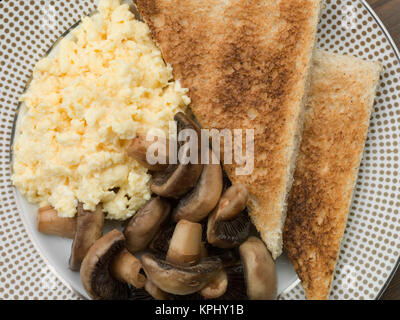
[95, 270]
[259, 270]
[49, 222]
[179, 179]
[137, 149]
[144, 225]
[185, 245]
[126, 267]
[184, 121]
[236, 284]
[89, 228]
[216, 287]
[156, 292]
[228, 226]
[199, 202]
[160, 242]
[176, 180]
[177, 279]
[228, 257]
[232, 202]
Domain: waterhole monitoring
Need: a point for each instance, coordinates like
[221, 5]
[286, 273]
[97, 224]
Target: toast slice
[336, 124]
[246, 64]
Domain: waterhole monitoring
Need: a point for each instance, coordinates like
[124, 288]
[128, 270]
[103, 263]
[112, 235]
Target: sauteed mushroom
[236, 289]
[199, 202]
[178, 179]
[126, 267]
[216, 287]
[138, 149]
[184, 121]
[259, 270]
[89, 228]
[95, 270]
[143, 226]
[228, 226]
[156, 292]
[182, 273]
[49, 222]
[108, 268]
[160, 242]
[185, 245]
[180, 280]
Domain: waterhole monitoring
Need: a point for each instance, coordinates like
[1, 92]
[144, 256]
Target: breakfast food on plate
[246, 65]
[88, 228]
[81, 148]
[103, 86]
[206, 254]
[49, 222]
[336, 124]
[108, 267]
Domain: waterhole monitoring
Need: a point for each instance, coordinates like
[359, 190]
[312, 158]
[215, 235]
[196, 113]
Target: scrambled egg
[101, 87]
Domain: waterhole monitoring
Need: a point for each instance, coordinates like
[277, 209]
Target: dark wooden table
[389, 12]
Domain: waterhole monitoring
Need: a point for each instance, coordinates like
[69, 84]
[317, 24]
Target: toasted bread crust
[246, 65]
[336, 125]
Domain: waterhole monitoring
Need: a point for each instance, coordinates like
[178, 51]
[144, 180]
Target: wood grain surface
[389, 12]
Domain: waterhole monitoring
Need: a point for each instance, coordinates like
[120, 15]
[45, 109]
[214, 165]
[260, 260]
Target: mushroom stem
[49, 222]
[126, 267]
[185, 246]
[216, 287]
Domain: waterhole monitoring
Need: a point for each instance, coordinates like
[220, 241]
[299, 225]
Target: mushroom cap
[184, 121]
[232, 202]
[199, 202]
[179, 179]
[137, 149]
[259, 270]
[180, 280]
[216, 287]
[162, 239]
[95, 270]
[229, 224]
[89, 228]
[230, 234]
[176, 180]
[144, 225]
[156, 292]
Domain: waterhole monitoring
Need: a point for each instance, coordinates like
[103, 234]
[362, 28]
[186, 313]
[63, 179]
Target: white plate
[371, 246]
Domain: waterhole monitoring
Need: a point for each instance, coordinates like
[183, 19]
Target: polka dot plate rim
[349, 27]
